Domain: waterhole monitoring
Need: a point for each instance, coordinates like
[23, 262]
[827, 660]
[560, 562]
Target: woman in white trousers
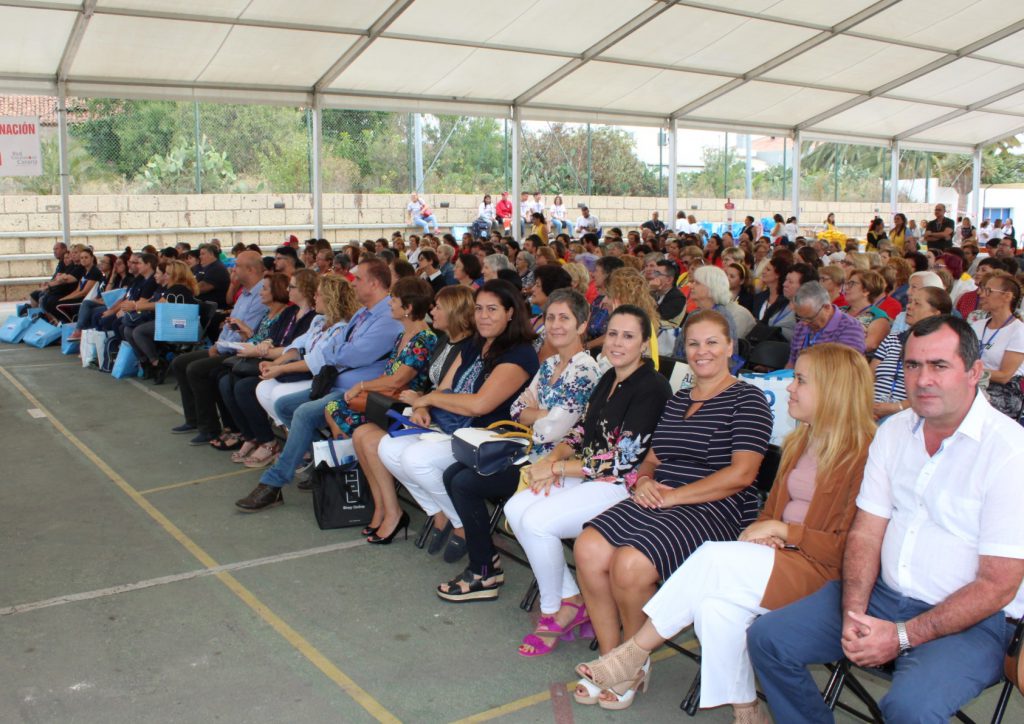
[585, 475]
[794, 547]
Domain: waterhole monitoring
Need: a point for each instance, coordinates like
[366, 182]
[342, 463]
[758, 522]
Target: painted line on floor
[36, 365]
[534, 699]
[157, 396]
[197, 481]
[35, 413]
[293, 637]
[176, 578]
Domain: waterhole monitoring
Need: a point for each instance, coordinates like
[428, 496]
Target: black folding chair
[843, 678]
[768, 356]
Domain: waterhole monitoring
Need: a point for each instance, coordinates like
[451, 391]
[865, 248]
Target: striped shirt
[889, 373]
[842, 328]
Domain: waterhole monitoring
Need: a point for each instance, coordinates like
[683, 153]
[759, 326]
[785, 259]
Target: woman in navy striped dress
[695, 485]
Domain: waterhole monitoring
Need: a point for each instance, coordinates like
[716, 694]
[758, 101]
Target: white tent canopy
[937, 74]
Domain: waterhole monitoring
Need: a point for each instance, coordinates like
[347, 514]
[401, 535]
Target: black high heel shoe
[368, 530]
[403, 524]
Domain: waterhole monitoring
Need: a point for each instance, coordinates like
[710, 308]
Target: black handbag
[323, 381]
[341, 497]
[243, 366]
[764, 332]
[377, 406]
[494, 448]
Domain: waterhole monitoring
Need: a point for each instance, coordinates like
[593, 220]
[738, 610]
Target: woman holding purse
[552, 405]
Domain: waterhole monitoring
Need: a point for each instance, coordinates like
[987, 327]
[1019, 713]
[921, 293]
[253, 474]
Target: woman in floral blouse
[590, 471]
[551, 405]
[406, 366]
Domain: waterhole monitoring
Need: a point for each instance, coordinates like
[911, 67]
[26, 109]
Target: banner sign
[20, 152]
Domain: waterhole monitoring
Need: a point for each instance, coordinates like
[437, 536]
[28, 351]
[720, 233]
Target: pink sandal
[548, 633]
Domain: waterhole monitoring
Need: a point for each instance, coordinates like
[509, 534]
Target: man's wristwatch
[901, 634]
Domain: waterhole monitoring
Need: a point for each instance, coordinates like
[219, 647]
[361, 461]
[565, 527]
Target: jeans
[930, 683]
[304, 418]
[89, 314]
[470, 491]
[424, 223]
[557, 226]
[239, 396]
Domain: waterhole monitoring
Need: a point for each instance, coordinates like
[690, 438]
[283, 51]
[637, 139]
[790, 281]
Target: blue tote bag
[113, 296]
[68, 346]
[14, 329]
[41, 334]
[126, 364]
[177, 322]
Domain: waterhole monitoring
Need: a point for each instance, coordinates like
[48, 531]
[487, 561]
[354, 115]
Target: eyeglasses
[292, 286]
[801, 318]
[853, 283]
[985, 291]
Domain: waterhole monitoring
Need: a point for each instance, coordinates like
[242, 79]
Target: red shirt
[503, 208]
[967, 303]
[890, 306]
[840, 301]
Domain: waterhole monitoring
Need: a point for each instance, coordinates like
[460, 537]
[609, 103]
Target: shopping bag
[14, 329]
[87, 347]
[113, 296]
[41, 334]
[341, 497]
[335, 453]
[126, 364]
[494, 448]
[177, 322]
[773, 385]
[68, 346]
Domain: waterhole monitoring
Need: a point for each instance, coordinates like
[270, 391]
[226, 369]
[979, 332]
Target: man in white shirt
[934, 558]
[586, 222]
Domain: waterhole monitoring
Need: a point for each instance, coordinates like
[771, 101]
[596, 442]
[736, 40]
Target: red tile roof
[43, 106]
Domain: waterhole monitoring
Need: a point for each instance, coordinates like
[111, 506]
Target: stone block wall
[378, 214]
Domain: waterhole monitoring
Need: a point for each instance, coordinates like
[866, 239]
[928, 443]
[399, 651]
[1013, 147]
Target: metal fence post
[516, 142]
[65, 169]
[316, 187]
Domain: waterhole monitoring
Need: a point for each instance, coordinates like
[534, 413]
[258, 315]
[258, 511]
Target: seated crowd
[891, 532]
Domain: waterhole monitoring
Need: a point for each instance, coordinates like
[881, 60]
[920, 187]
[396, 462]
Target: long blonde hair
[339, 299]
[843, 424]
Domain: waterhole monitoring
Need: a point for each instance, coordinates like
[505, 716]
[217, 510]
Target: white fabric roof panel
[38, 43]
[629, 88]
[274, 56]
[698, 38]
[824, 67]
[853, 63]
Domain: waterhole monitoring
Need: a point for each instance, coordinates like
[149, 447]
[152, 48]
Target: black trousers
[143, 340]
[470, 491]
[197, 374]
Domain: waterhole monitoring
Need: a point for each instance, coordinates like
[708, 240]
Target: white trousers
[718, 590]
[419, 465]
[542, 522]
[268, 392]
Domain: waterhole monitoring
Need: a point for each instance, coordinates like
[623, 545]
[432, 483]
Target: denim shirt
[248, 309]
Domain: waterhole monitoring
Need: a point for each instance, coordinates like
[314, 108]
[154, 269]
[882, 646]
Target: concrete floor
[133, 591]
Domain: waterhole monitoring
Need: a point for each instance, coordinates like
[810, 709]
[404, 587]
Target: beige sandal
[623, 671]
[247, 449]
[262, 456]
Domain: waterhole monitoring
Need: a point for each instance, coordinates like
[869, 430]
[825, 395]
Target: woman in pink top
[794, 547]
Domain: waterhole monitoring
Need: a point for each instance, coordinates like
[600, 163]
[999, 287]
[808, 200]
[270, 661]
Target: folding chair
[842, 677]
[769, 355]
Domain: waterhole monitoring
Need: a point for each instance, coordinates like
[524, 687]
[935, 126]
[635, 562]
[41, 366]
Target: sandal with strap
[469, 587]
[262, 456]
[622, 671]
[592, 696]
[226, 442]
[548, 633]
[248, 447]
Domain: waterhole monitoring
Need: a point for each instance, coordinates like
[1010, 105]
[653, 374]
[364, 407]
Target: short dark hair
[288, 252]
[806, 271]
[634, 311]
[670, 266]
[431, 256]
[967, 346]
[552, 277]
[577, 303]
[415, 293]
[194, 253]
[510, 276]
[471, 265]
[377, 269]
[609, 264]
[149, 259]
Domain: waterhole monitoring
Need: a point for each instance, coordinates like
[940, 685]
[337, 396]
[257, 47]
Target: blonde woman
[178, 285]
[293, 370]
[792, 549]
[580, 276]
